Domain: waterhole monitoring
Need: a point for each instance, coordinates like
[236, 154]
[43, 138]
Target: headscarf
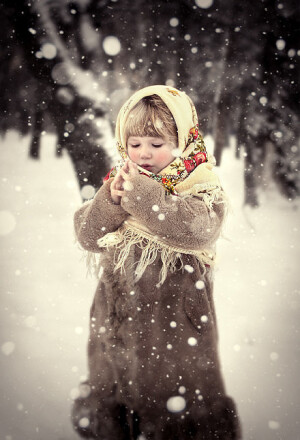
[190, 151]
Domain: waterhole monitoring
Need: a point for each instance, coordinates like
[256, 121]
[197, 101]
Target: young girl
[154, 371]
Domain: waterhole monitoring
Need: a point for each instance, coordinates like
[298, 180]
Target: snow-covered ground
[45, 300]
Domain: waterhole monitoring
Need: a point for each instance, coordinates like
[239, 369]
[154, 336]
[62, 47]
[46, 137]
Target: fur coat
[154, 370]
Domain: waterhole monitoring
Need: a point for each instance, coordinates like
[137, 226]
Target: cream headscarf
[190, 174]
[185, 170]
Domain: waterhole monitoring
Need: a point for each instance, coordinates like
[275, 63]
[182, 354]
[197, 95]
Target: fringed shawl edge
[151, 246]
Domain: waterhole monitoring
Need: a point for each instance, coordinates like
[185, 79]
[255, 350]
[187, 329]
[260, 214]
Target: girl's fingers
[125, 167]
[124, 175]
[132, 168]
[116, 185]
[118, 180]
[117, 192]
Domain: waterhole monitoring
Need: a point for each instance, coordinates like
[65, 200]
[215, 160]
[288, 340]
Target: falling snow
[8, 348]
[189, 268]
[176, 152]
[84, 422]
[263, 100]
[192, 341]
[204, 4]
[199, 285]
[273, 424]
[274, 356]
[176, 404]
[30, 321]
[280, 44]
[111, 45]
[174, 22]
[87, 192]
[128, 186]
[49, 51]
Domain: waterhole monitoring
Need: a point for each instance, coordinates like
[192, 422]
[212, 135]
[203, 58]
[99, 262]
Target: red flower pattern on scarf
[191, 164]
[200, 158]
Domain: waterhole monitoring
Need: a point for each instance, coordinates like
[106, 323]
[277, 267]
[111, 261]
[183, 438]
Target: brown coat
[140, 352]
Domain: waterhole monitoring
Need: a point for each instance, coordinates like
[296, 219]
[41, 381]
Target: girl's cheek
[164, 156]
[132, 155]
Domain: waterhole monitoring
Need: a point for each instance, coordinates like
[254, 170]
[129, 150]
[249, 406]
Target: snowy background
[66, 68]
[45, 299]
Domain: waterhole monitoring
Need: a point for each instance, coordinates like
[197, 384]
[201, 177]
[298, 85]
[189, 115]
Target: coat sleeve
[181, 221]
[97, 218]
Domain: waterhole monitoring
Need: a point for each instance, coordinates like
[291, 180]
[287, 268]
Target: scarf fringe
[208, 192]
[171, 257]
[93, 264]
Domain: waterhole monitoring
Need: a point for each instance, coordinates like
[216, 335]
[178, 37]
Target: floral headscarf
[191, 148]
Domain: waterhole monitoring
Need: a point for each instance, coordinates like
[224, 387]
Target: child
[153, 364]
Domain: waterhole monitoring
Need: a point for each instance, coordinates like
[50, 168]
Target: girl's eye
[135, 146]
[156, 145]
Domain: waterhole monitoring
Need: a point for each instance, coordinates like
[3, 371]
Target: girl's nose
[145, 153]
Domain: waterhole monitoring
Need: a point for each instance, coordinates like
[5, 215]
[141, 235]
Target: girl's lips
[146, 166]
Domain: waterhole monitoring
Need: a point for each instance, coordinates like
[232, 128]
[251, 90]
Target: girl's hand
[116, 189]
[123, 181]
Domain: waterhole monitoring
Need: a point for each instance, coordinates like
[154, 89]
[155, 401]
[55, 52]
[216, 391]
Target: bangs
[151, 117]
[142, 124]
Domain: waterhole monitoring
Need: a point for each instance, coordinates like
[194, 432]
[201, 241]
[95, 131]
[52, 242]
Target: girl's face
[151, 153]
